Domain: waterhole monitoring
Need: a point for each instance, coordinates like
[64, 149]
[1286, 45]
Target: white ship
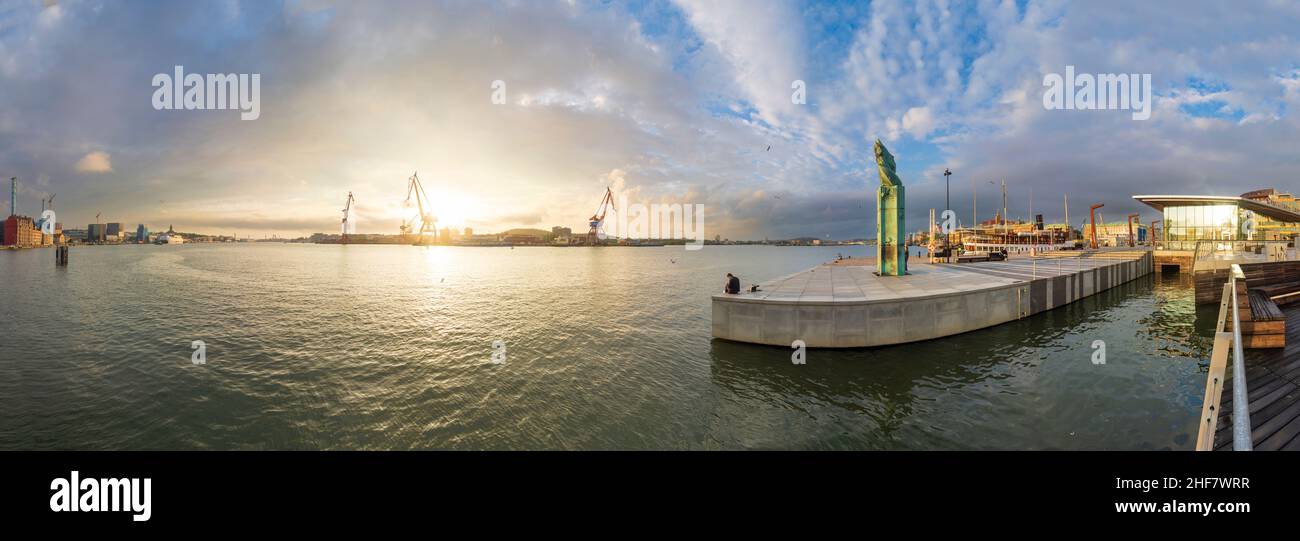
[170, 237]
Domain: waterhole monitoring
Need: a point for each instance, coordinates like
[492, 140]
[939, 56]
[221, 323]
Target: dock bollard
[61, 256]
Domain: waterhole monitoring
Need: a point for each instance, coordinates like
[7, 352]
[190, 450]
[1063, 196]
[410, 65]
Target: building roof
[1159, 202]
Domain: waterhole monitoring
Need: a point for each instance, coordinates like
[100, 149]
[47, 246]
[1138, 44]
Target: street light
[947, 207]
[947, 188]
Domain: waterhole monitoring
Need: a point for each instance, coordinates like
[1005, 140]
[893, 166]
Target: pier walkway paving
[845, 304]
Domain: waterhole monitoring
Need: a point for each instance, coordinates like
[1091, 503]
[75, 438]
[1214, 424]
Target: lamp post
[947, 188]
[947, 206]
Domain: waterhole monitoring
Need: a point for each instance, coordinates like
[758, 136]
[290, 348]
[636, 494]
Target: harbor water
[402, 347]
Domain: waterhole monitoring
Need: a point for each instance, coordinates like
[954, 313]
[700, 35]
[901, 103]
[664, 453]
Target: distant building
[481, 239]
[1269, 228]
[522, 239]
[114, 232]
[1116, 233]
[141, 234]
[21, 231]
[561, 235]
[74, 234]
[96, 233]
[469, 232]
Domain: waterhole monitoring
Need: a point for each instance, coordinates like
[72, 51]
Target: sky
[682, 101]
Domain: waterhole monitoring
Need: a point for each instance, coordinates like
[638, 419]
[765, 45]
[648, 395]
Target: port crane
[598, 219]
[40, 222]
[428, 221]
[346, 209]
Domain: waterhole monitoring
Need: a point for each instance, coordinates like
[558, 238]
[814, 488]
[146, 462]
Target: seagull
[674, 261]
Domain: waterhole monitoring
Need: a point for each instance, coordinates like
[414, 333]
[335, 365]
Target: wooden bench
[1266, 327]
[973, 257]
[1283, 293]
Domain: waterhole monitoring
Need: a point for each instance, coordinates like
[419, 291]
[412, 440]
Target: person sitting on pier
[733, 285]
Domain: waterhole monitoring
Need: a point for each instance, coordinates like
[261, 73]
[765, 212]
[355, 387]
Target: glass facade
[1190, 223]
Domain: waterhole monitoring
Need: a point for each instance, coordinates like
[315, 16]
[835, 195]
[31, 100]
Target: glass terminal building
[1191, 218]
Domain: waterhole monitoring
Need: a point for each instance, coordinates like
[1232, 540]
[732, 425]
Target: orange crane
[428, 222]
[1132, 218]
[598, 219]
[1092, 214]
[346, 208]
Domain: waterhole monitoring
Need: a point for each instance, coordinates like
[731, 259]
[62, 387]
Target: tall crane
[346, 208]
[41, 221]
[597, 220]
[428, 222]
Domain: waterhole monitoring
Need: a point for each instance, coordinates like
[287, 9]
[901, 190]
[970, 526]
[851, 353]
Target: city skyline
[687, 102]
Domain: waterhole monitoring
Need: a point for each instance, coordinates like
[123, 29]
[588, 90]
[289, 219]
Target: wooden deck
[1273, 385]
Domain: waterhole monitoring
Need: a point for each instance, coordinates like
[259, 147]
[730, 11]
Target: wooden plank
[1288, 298]
[1263, 341]
[1274, 395]
[1263, 308]
[1283, 436]
[1274, 290]
[1213, 390]
[1263, 327]
[1223, 309]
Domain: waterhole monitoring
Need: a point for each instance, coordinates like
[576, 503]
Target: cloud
[763, 50]
[918, 122]
[686, 101]
[95, 162]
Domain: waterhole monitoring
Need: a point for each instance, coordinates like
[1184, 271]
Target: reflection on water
[1029, 384]
[389, 347]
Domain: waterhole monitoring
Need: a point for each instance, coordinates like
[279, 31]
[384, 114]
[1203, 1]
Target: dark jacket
[733, 285]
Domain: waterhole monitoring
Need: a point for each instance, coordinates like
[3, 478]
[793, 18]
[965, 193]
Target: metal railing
[1176, 245]
[1240, 405]
[1226, 343]
[1221, 254]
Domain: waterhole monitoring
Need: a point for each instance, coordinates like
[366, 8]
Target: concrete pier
[842, 305]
